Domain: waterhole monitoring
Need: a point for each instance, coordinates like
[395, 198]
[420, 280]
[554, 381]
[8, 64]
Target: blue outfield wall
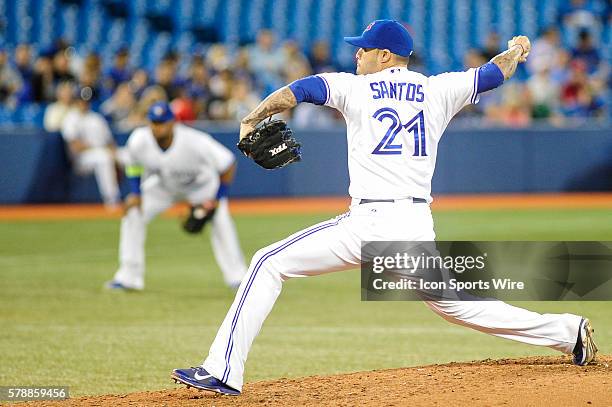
[35, 167]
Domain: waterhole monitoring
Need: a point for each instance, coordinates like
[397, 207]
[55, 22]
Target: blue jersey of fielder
[395, 119]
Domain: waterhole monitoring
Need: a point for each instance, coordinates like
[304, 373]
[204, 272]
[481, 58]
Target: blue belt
[414, 200]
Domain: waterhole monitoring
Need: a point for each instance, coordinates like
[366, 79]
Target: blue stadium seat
[443, 30]
[5, 116]
[29, 115]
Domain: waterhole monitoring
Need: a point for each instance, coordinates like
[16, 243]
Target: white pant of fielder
[100, 161]
[156, 199]
[335, 245]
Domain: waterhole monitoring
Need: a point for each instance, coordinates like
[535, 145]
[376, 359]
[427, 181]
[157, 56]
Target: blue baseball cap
[160, 112]
[384, 34]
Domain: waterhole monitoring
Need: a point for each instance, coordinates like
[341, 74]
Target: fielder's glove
[271, 145]
[198, 218]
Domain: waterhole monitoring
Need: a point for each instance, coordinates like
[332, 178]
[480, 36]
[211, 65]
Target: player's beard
[165, 141]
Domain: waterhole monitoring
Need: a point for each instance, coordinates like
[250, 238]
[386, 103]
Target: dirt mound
[535, 381]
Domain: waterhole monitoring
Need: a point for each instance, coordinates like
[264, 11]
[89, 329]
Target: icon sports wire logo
[503, 270]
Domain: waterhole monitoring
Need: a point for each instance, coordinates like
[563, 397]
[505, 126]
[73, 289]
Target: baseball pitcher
[178, 163]
[395, 119]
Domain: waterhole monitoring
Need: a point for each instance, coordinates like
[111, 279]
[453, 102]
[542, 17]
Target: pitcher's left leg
[323, 248]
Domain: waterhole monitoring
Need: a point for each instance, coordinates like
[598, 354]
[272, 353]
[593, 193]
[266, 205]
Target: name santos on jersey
[397, 90]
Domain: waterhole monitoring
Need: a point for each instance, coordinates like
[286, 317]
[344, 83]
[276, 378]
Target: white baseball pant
[156, 199]
[335, 245]
[99, 160]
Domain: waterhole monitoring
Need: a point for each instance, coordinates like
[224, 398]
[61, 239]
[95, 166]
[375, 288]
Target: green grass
[58, 327]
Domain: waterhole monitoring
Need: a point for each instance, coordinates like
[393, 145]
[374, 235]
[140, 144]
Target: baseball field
[321, 344]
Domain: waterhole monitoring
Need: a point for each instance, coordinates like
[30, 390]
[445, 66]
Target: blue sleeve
[489, 77]
[310, 89]
[134, 183]
[222, 191]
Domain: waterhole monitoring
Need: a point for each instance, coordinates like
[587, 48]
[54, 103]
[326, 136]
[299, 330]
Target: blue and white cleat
[585, 349]
[114, 285]
[199, 378]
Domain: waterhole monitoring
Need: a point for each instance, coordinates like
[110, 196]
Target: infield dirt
[536, 381]
[301, 205]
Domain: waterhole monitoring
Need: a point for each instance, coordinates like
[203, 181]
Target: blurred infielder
[395, 119]
[179, 163]
[92, 147]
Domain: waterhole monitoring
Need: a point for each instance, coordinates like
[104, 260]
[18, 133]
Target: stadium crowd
[215, 85]
[557, 84]
[563, 80]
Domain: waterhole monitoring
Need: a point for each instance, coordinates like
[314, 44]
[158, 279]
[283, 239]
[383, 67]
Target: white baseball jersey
[193, 160]
[91, 128]
[395, 119]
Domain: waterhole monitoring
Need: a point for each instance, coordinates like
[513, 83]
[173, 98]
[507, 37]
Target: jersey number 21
[416, 126]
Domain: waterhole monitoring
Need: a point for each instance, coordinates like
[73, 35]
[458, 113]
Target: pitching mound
[535, 381]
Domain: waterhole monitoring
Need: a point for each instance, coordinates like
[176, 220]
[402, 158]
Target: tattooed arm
[507, 61]
[277, 102]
